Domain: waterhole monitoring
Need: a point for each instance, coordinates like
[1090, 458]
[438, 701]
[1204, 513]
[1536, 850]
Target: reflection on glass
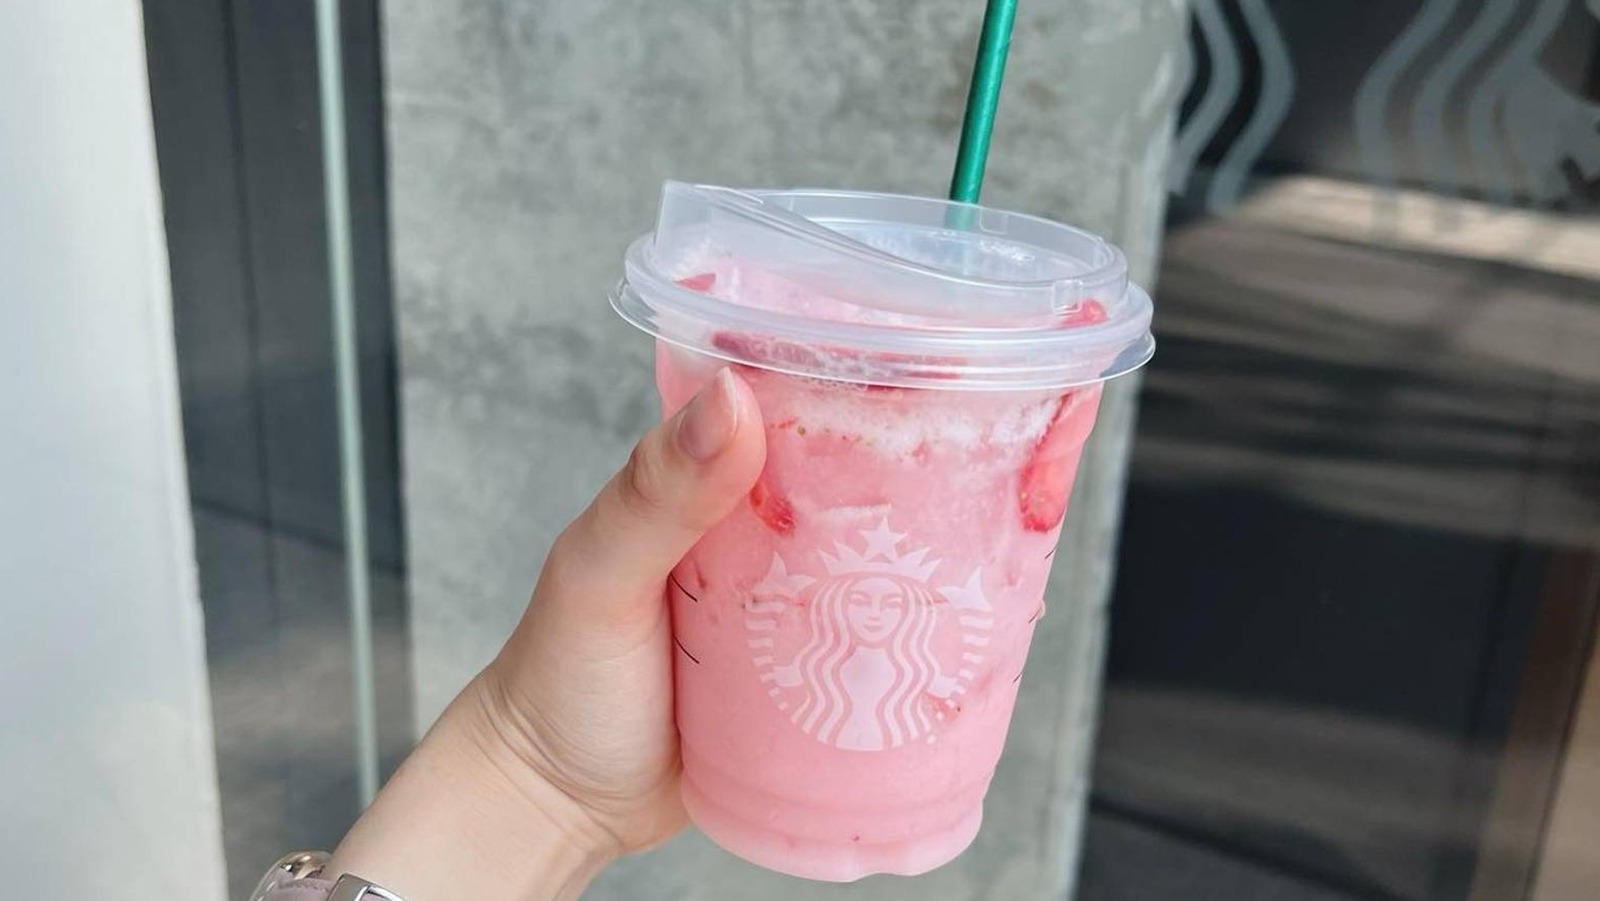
[1359, 563]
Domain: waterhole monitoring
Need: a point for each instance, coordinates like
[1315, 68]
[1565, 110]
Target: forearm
[453, 824]
[562, 755]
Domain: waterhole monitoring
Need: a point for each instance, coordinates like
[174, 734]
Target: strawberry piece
[772, 508]
[736, 344]
[1090, 312]
[701, 282]
[1048, 475]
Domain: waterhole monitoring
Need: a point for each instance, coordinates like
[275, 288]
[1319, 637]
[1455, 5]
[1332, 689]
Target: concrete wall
[528, 142]
[105, 725]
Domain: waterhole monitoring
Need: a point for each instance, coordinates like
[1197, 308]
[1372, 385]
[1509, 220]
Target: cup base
[822, 860]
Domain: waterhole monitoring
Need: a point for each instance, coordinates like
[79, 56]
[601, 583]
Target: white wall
[109, 783]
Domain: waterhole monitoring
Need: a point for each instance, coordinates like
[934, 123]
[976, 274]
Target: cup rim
[960, 356]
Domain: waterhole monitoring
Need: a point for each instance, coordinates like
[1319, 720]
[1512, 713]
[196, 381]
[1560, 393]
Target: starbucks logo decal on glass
[861, 648]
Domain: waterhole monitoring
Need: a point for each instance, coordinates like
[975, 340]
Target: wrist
[463, 818]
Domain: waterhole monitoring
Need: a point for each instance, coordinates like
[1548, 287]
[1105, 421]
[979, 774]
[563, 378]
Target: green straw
[982, 99]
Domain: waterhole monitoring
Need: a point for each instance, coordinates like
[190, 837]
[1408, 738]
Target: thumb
[684, 476]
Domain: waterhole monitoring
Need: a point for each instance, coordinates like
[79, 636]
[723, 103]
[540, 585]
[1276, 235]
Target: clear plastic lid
[884, 289]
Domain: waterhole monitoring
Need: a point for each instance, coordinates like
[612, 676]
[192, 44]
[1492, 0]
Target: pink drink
[851, 639]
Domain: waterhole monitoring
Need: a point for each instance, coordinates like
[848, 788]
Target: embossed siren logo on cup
[865, 654]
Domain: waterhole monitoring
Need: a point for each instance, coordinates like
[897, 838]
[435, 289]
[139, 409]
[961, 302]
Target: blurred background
[1322, 625]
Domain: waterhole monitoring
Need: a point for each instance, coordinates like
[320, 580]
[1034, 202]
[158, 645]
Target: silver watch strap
[354, 888]
[300, 890]
[297, 866]
[294, 878]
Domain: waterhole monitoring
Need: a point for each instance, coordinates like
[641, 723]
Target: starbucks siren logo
[867, 675]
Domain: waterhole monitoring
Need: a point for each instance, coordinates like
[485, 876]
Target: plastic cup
[851, 639]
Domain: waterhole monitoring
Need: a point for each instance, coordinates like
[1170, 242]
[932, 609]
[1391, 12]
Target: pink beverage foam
[851, 638]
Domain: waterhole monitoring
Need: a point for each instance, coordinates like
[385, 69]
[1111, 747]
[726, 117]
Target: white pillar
[109, 787]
